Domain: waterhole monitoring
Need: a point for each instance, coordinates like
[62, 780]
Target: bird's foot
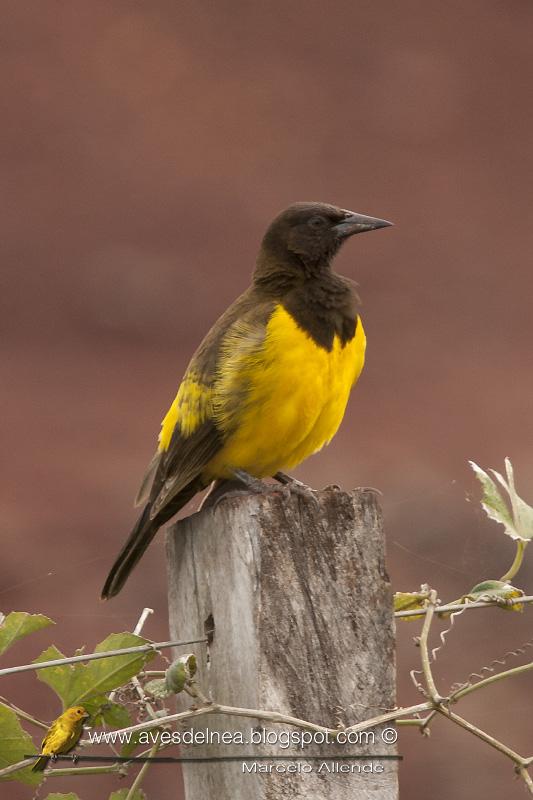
[297, 487]
[241, 484]
[254, 485]
[75, 758]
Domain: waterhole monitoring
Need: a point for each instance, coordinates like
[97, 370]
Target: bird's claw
[242, 484]
[298, 488]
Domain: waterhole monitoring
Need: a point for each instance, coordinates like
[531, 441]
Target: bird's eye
[317, 222]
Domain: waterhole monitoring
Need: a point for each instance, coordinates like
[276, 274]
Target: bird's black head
[307, 235]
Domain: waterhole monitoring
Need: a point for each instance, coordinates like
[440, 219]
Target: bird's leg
[288, 480]
[297, 487]
[218, 490]
[75, 758]
[252, 484]
[243, 483]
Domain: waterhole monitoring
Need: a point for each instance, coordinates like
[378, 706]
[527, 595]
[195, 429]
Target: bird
[62, 736]
[269, 384]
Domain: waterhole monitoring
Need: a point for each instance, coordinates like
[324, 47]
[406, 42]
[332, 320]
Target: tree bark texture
[296, 603]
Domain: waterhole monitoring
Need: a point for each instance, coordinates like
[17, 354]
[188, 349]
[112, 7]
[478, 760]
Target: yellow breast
[296, 400]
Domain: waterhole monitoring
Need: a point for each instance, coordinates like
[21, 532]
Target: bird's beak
[86, 716]
[359, 223]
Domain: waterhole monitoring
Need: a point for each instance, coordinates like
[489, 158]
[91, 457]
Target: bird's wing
[72, 736]
[50, 735]
[201, 416]
[148, 478]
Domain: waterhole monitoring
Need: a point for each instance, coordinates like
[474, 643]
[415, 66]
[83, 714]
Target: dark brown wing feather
[182, 463]
[174, 475]
[189, 452]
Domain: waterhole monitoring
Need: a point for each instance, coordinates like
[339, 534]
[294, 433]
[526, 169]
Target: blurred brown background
[145, 148]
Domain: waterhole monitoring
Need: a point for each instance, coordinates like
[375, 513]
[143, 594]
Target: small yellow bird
[62, 736]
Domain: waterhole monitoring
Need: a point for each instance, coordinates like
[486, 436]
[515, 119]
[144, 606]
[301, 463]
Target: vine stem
[27, 762]
[58, 662]
[70, 771]
[140, 775]
[424, 651]
[20, 713]
[485, 737]
[456, 606]
[517, 563]
[509, 673]
[274, 716]
[135, 680]
[526, 777]
[520, 762]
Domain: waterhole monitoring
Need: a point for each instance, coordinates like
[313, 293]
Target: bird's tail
[40, 764]
[144, 531]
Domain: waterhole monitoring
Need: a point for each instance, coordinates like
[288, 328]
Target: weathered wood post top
[296, 601]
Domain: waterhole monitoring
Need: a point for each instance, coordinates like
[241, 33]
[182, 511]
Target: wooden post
[297, 605]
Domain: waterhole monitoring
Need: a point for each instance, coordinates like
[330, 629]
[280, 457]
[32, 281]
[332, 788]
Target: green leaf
[494, 590]
[158, 688]
[121, 794]
[95, 706]
[180, 672]
[512, 512]
[103, 711]
[60, 796]
[492, 501]
[110, 673]
[117, 716]
[140, 738]
[410, 601]
[19, 624]
[84, 684]
[15, 743]
[128, 748]
[65, 679]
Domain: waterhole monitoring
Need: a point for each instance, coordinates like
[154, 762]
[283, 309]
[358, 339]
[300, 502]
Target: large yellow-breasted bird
[62, 736]
[269, 384]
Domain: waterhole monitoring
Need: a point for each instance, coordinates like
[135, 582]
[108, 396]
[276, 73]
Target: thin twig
[271, 716]
[70, 771]
[485, 737]
[22, 714]
[57, 662]
[419, 612]
[424, 652]
[140, 775]
[27, 762]
[517, 563]
[496, 663]
[491, 679]
[526, 777]
[135, 680]
[142, 619]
